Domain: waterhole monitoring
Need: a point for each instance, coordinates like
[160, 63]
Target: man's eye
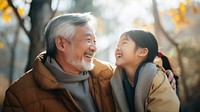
[124, 43]
[88, 40]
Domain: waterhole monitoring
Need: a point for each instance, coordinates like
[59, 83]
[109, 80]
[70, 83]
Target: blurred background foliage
[176, 25]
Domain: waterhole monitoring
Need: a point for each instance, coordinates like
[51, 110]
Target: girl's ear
[60, 43]
[143, 52]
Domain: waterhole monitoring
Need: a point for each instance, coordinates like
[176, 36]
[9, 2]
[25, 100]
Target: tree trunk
[179, 53]
[12, 60]
[40, 13]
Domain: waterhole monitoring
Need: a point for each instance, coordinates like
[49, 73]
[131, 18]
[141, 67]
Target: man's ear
[143, 52]
[60, 43]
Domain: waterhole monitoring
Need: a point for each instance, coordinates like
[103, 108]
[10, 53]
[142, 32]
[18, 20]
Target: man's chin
[87, 66]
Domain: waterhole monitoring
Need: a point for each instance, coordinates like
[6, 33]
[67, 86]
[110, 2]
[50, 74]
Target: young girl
[139, 85]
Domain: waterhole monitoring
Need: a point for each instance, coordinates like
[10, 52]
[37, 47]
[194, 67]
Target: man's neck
[66, 67]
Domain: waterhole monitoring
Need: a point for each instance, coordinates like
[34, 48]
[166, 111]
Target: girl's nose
[117, 49]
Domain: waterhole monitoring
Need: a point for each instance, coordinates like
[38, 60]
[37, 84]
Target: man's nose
[93, 47]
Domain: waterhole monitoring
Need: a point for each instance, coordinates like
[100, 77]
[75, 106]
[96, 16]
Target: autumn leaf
[1, 45]
[171, 12]
[182, 7]
[6, 17]
[187, 1]
[3, 4]
[178, 15]
[20, 11]
[6, 14]
[177, 18]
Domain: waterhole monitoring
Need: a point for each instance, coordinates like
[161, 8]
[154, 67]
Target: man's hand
[171, 79]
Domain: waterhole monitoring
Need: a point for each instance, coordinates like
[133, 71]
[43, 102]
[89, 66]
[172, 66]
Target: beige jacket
[153, 91]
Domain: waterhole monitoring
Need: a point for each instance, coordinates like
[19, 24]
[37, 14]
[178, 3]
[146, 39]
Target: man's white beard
[87, 66]
[81, 65]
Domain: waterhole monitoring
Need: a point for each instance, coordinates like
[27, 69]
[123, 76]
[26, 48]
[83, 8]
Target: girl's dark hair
[167, 66]
[147, 40]
[144, 39]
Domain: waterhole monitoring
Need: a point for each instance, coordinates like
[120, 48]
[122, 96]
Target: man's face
[80, 52]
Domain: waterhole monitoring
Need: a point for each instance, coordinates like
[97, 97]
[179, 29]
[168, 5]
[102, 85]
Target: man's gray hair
[64, 25]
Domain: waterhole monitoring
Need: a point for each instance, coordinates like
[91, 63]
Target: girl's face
[126, 52]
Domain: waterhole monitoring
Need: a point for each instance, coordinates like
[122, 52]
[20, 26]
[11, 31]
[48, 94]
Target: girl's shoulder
[160, 80]
[162, 94]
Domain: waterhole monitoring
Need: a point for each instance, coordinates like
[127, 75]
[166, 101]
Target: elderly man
[67, 78]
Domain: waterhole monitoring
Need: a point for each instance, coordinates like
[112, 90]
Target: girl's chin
[118, 64]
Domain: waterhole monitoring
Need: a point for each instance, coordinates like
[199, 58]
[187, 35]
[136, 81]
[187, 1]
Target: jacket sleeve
[11, 103]
[162, 98]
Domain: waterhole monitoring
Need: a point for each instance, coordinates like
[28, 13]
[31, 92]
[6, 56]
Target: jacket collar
[43, 76]
[47, 81]
[99, 66]
[146, 75]
[118, 90]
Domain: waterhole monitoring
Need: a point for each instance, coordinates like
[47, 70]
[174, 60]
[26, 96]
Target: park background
[176, 24]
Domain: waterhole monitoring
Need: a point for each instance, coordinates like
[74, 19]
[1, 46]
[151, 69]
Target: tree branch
[156, 17]
[21, 21]
[179, 53]
[54, 12]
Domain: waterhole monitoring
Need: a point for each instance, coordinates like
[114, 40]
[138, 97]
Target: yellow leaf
[6, 17]
[6, 14]
[3, 4]
[1, 45]
[173, 20]
[182, 7]
[187, 1]
[20, 11]
[177, 18]
[171, 12]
